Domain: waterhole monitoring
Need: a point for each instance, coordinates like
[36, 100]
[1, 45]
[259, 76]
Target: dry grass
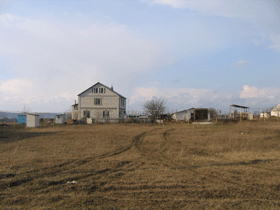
[137, 166]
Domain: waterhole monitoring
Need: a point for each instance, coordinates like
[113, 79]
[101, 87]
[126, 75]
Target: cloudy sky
[203, 53]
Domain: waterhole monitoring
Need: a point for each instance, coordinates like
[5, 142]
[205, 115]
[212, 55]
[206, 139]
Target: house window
[100, 90]
[97, 101]
[87, 114]
[122, 102]
[95, 90]
[106, 114]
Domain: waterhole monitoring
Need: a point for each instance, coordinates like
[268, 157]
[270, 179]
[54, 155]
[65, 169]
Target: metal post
[14, 120]
[188, 116]
[53, 119]
[240, 114]
[216, 115]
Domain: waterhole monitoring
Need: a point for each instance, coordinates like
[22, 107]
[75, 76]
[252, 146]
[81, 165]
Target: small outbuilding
[264, 115]
[21, 118]
[276, 111]
[32, 120]
[60, 119]
[192, 114]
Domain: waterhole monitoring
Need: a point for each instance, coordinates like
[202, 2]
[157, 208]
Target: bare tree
[26, 109]
[155, 105]
[68, 113]
[212, 111]
[3, 116]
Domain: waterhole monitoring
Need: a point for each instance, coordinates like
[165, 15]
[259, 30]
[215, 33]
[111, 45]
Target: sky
[202, 53]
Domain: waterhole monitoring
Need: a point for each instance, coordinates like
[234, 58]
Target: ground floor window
[87, 114]
[106, 114]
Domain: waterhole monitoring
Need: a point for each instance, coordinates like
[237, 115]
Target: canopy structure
[238, 106]
[245, 110]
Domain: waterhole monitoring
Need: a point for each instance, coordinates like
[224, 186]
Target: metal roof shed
[32, 120]
[243, 114]
[21, 118]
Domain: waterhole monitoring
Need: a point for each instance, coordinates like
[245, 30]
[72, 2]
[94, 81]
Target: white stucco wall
[110, 101]
[32, 120]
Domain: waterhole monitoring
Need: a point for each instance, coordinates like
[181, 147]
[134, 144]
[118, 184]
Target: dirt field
[175, 166]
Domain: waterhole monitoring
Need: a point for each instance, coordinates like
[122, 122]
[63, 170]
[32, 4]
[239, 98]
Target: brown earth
[139, 166]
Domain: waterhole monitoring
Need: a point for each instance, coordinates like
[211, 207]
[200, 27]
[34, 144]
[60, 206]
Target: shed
[32, 120]
[264, 115]
[21, 118]
[192, 114]
[60, 119]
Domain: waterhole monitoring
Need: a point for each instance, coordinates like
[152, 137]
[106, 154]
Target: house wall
[184, 115]
[275, 113]
[110, 101]
[21, 119]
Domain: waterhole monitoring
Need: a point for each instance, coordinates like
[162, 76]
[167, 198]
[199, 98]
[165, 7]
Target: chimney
[75, 102]
[112, 87]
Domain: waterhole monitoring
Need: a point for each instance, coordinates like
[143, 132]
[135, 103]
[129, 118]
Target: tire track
[67, 168]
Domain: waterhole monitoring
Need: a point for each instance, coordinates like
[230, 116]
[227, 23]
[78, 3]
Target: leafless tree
[3, 116]
[26, 109]
[155, 105]
[68, 113]
[212, 111]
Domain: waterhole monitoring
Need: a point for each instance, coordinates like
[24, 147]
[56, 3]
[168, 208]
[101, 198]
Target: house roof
[32, 114]
[104, 86]
[277, 108]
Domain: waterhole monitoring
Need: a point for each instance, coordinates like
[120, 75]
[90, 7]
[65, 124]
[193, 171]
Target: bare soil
[141, 166]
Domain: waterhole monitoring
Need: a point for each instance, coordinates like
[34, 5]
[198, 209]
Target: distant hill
[12, 115]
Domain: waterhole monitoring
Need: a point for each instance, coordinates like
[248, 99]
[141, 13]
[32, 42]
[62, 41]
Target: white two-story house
[99, 102]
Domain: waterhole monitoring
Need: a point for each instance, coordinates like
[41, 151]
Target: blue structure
[21, 118]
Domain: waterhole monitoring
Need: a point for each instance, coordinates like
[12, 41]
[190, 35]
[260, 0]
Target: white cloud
[63, 60]
[263, 93]
[18, 86]
[263, 14]
[184, 98]
[179, 98]
[241, 63]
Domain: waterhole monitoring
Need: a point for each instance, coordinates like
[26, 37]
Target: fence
[47, 119]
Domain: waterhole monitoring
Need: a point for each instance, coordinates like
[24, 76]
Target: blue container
[21, 119]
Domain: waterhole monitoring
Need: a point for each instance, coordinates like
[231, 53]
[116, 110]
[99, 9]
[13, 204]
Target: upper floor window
[99, 90]
[102, 90]
[122, 102]
[97, 101]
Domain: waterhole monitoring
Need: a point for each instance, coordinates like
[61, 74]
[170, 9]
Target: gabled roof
[277, 108]
[104, 86]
